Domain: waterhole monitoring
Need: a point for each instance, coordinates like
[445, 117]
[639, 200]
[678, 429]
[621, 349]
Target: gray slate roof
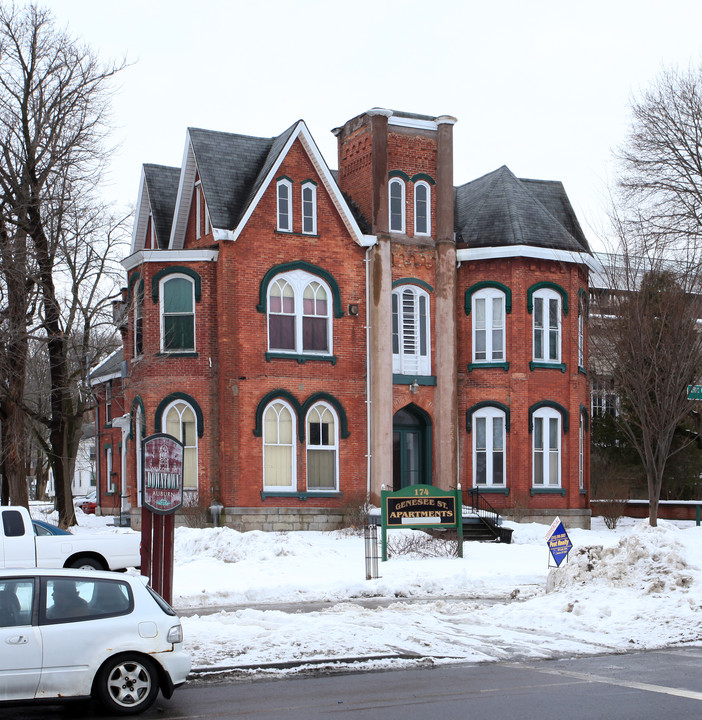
[232, 168]
[110, 366]
[162, 184]
[500, 209]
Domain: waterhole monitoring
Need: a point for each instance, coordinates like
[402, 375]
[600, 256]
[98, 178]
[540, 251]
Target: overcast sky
[542, 86]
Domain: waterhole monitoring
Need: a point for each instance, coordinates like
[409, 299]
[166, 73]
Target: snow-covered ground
[632, 588]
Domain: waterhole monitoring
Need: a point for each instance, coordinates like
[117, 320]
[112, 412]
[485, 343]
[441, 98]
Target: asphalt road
[665, 683]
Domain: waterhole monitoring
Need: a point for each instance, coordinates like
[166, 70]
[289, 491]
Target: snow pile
[649, 560]
[255, 598]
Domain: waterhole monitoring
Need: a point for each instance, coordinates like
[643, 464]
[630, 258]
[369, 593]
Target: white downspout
[368, 380]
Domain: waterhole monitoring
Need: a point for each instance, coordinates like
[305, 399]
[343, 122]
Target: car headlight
[175, 634]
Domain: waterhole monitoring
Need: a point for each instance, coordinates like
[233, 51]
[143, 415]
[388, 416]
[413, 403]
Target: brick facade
[231, 379]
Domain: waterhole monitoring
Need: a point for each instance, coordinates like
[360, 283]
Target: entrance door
[411, 449]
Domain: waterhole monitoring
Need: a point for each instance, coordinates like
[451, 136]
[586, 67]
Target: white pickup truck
[20, 547]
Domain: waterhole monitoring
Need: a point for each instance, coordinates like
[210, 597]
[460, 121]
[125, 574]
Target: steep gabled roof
[162, 187]
[158, 189]
[500, 209]
[229, 165]
[234, 171]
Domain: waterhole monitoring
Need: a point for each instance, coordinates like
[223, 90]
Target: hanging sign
[163, 474]
[559, 544]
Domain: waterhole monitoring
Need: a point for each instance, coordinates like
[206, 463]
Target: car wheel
[126, 684]
[87, 563]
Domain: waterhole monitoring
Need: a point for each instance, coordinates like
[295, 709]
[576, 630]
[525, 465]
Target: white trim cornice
[524, 251]
[168, 256]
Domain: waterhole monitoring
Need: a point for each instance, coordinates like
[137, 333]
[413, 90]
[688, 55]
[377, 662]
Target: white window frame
[543, 298]
[108, 402]
[198, 210]
[152, 232]
[111, 486]
[334, 447]
[542, 418]
[427, 187]
[284, 227]
[407, 330]
[299, 280]
[181, 406]
[311, 187]
[162, 314]
[403, 220]
[488, 415]
[487, 296]
[292, 487]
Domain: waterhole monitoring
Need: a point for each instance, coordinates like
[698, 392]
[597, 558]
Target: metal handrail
[486, 512]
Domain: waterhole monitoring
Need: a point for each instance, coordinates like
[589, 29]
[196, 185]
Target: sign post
[421, 507]
[559, 544]
[162, 493]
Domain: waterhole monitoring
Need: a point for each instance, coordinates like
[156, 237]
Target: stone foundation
[570, 518]
[267, 519]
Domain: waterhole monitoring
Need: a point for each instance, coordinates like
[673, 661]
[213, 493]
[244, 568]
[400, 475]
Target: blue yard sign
[559, 544]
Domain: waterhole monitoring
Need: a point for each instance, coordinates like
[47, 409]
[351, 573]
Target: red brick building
[314, 336]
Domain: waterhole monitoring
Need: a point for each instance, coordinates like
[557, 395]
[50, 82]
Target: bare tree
[644, 337]
[54, 95]
[661, 163]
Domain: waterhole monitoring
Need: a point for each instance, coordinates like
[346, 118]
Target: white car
[77, 633]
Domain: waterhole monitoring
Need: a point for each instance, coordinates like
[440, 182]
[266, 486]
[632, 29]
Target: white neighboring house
[85, 470]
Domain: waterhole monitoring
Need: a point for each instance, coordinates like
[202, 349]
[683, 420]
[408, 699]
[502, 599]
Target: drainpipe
[368, 379]
[123, 424]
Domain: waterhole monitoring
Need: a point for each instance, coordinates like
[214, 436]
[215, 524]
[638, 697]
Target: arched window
[177, 314]
[299, 314]
[547, 326]
[488, 326]
[322, 448]
[546, 446]
[284, 195]
[396, 196]
[411, 344]
[279, 466]
[488, 429]
[309, 208]
[422, 208]
[179, 420]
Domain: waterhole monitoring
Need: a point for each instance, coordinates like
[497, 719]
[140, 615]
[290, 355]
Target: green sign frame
[420, 507]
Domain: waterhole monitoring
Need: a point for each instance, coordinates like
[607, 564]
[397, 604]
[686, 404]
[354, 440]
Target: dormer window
[309, 208]
[284, 205]
[422, 209]
[397, 205]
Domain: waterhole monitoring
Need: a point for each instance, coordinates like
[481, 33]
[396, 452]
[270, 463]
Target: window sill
[179, 354]
[547, 491]
[582, 370]
[547, 366]
[301, 495]
[301, 359]
[297, 234]
[480, 365]
[398, 379]
[489, 490]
